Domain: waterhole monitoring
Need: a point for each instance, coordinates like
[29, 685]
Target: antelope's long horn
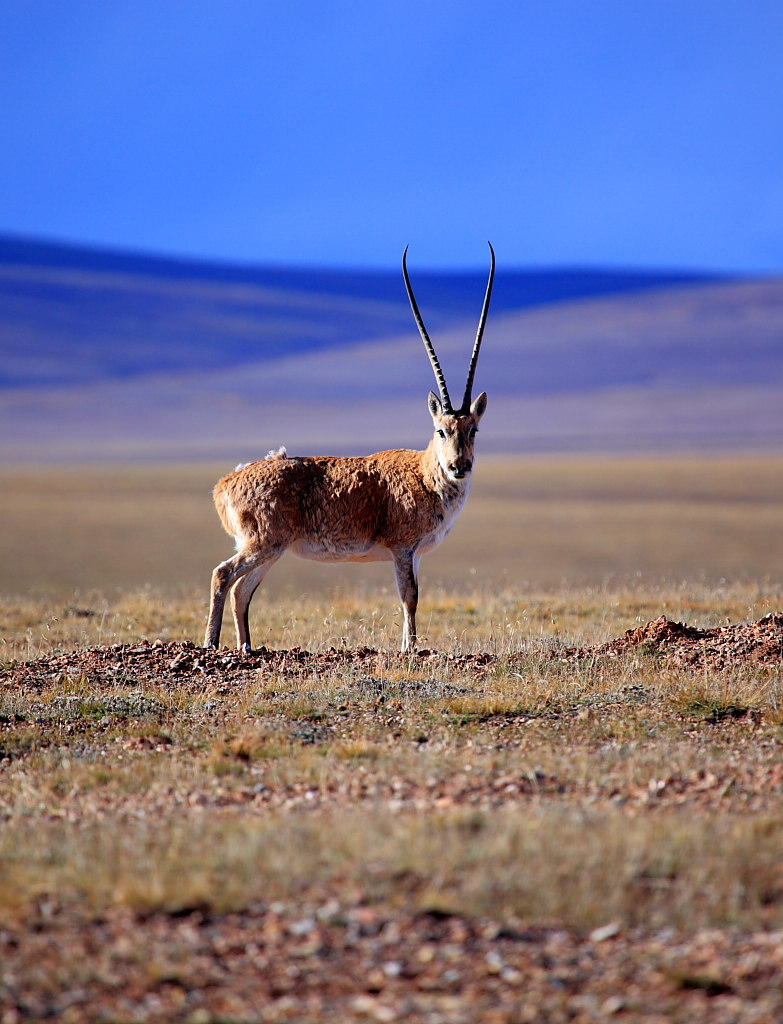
[477, 345]
[444, 393]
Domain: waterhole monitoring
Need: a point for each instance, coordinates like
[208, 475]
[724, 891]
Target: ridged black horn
[477, 345]
[444, 393]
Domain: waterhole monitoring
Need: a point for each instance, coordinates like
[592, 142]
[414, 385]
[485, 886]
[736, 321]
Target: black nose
[461, 467]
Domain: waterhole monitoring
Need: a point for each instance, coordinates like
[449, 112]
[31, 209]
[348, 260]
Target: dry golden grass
[538, 789]
[582, 868]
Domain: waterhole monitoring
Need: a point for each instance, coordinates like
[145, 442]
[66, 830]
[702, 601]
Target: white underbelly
[324, 550]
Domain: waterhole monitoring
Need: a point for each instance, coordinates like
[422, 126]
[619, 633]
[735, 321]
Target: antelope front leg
[405, 567]
[241, 595]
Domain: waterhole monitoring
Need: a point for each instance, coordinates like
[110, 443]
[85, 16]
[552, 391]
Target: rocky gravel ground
[191, 666]
[333, 953]
[340, 962]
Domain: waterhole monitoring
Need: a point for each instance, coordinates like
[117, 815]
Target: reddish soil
[342, 962]
[185, 665]
[731, 645]
[191, 667]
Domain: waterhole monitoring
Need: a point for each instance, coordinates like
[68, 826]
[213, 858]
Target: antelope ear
[479, 406]
[433, 404]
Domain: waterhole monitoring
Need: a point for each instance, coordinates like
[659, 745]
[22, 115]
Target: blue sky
[643, 133]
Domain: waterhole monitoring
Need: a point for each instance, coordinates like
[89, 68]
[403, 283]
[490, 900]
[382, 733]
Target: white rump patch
[272, 455]
[234, 527]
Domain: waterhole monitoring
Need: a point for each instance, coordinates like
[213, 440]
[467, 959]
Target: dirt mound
[744, 643]
[661, 630]
[188, 666]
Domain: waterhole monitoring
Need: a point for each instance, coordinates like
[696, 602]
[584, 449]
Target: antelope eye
[473, 431]
[442, 433]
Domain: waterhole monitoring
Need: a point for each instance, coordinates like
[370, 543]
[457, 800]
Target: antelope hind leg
[225, 576]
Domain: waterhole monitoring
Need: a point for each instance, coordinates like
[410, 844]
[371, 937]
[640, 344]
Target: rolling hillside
[113, 356]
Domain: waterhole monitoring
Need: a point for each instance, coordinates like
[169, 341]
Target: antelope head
[455, 430]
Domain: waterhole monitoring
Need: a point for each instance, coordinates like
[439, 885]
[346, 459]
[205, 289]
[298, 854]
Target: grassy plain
[578, 547]
[531, 524]
[624, 792]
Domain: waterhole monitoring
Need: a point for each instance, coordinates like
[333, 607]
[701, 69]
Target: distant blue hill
[72, 314]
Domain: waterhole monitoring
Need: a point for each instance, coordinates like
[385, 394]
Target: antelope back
[382, 499]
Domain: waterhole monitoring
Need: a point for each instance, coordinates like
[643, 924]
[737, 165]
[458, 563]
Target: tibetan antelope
[392, 506]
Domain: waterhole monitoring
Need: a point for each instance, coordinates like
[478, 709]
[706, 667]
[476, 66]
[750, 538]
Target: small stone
[494, 962]
[606, 931]
[303, 927]
[614, 1004]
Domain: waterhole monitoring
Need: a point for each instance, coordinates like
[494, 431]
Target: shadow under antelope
[392, 506]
